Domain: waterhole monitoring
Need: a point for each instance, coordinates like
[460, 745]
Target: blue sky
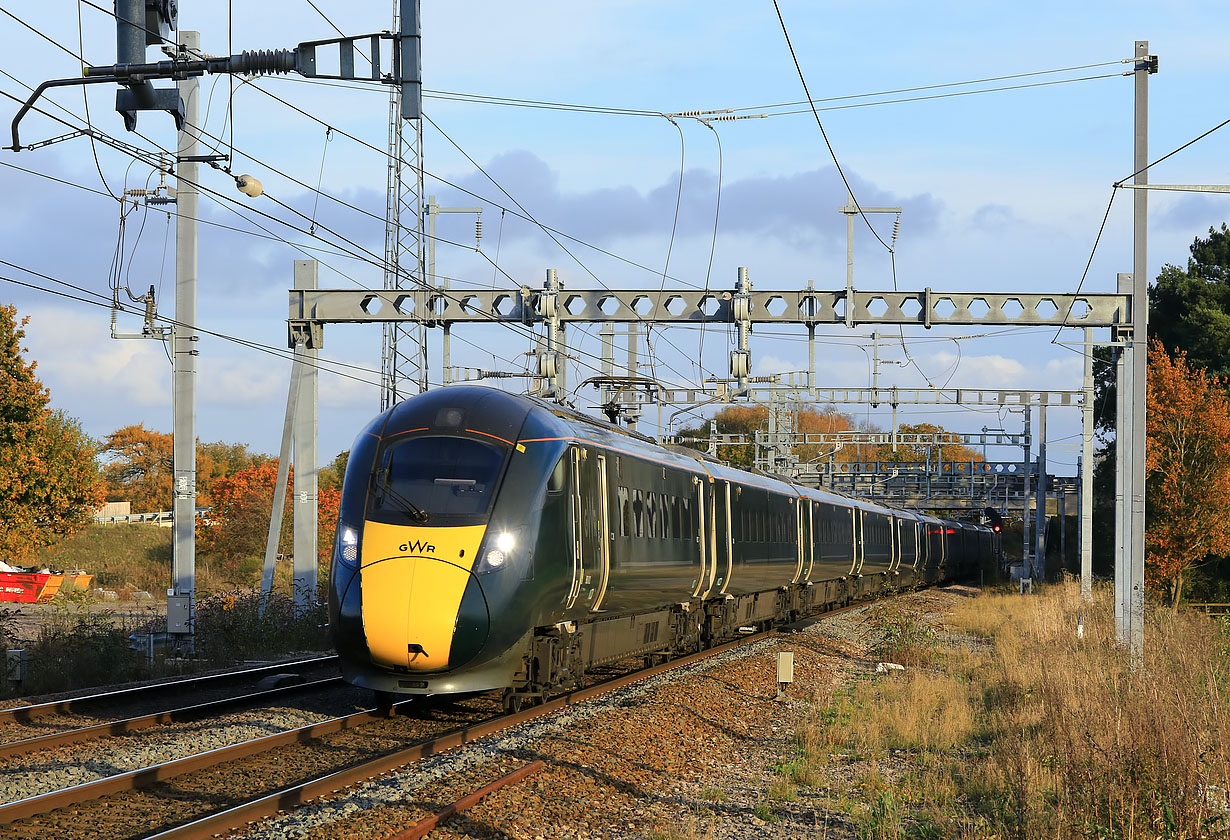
[1002, 190]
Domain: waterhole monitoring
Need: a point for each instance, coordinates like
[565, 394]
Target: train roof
[503, 409]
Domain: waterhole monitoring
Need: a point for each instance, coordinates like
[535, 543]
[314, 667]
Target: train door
[704, 517]
[800, 560]
[725, 538]
[894, 534]
[807, 538]
[860, 550]
[589, 525]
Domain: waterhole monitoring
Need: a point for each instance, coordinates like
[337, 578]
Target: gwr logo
[417, 547]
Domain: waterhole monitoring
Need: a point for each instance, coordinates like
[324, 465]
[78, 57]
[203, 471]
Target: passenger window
[559, 476]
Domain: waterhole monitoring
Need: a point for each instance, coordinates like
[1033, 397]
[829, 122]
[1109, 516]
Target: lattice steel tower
[403, 361]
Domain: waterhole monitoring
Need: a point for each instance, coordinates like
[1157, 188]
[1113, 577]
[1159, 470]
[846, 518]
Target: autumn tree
[747, 420]
[238, 524]
[49, 483]
[947, 450]
[1188, 469]
[140, 466]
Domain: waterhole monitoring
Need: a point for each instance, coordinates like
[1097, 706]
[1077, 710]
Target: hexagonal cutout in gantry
[404, 304]
[1012, 308]
[1080, 310]
[675, 305]
[642, 305]
[776, 306]
[1046, 308]
[574, 305]
[609, 305]
[911, 307]
[469, 303]
[978, 308]
[710, 305]
[504, 305]
[371, 305]
[944, 308]
[877, 306]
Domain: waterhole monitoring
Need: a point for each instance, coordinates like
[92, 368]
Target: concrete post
[305, 510]
[184, 340]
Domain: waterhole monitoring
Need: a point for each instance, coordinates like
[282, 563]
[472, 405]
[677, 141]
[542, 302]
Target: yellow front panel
[413, 579]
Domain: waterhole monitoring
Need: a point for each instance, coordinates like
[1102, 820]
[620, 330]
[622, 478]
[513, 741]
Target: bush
[243, 625]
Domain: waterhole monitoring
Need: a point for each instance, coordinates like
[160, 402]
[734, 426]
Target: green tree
[1189, 310]
[49, 482]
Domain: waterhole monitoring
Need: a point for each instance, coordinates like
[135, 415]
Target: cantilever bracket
[38, 91]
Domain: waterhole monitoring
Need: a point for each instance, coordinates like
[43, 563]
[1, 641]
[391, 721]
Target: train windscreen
[428, 477]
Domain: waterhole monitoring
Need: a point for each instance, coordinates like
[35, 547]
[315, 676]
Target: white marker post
[785, 672]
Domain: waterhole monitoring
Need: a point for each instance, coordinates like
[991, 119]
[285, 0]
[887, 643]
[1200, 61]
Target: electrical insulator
[896, 228]
[478, 230]
[740, 363]
[548, 364]
[741, 308]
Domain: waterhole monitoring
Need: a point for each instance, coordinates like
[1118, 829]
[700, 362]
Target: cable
[85, 99]
[824, 133]
[219, 198]
[373, 259]
[1089, 262]
[43, 35]
[546, 228]
[938, 86]
[1122, 181]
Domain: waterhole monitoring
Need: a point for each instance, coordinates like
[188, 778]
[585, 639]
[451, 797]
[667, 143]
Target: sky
[1002, 190]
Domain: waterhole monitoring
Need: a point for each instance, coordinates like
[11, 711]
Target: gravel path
[689, 754]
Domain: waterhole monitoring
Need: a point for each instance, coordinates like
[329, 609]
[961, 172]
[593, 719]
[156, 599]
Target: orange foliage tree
[140, 463]
[138, 468]
[746, 420]
[49, 484]
[239, 521]
[917, 453]
[1188, 469]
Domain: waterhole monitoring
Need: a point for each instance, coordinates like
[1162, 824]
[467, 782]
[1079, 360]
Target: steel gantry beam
[436, 307]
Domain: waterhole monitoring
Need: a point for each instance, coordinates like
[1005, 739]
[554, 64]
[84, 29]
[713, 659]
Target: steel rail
[425, 826]
[23, 714]
[143, 777]
[295, 795]
[135, 724]
[298, 794]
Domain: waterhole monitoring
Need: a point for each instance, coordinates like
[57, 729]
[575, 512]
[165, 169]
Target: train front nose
[423, 609]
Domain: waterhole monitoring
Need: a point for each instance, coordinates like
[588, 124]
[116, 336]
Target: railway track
[107, 703]
[199, 795]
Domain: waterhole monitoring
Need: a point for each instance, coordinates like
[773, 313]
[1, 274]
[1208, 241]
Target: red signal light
[995, 528]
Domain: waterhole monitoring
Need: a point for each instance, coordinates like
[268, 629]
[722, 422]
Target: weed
[781, 790]
[764, 811]
[799, 771]
[713, 795]
[244, 625]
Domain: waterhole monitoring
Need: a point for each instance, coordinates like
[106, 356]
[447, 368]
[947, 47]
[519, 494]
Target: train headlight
[347, 545]
[498, 554]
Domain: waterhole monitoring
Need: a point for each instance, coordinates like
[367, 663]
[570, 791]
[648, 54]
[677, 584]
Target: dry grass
[1038, 734]
[128, 558]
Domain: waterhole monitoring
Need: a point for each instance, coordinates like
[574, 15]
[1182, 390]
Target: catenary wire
[832, 153]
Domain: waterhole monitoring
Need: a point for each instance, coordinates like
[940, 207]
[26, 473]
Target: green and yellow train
[487, 540]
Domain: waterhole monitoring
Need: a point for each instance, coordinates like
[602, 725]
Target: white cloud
[84, 367]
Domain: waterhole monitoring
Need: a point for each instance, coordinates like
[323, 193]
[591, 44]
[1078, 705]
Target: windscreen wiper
[408, 507]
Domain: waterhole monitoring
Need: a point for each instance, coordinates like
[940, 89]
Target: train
[487, 541]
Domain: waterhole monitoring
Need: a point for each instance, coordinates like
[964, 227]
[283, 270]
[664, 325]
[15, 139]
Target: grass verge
[1013, 727]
